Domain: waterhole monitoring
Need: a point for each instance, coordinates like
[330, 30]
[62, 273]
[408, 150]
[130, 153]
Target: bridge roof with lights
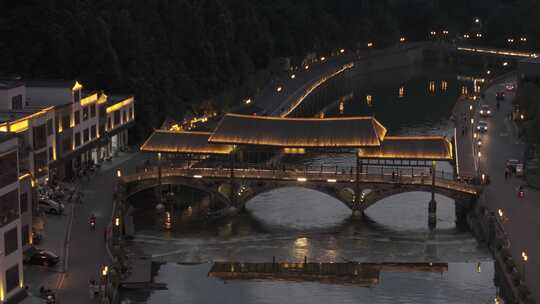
[183, 142]
[353, 132]
[410, 147]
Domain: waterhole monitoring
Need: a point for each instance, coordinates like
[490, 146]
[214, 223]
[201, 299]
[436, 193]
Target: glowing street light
[306, 67]
[477, 20]
[445, 32]
[105, 270]
[501, 214]
[433, 33]
[472, 121]
[479, 154]
[475, 135]
[118, 173]
[478, 35]
[522, 117]
[466, 36]
[302, 179]
[510, 40]
[293, 76]
[470, 108]
[117, 221]
[402, 39]
[505, 63]
[247, 101]
[342, 51]
[524, 256]
[279, 88]
[523, 39]
[370, 44]
[323, 58]
[488, 72]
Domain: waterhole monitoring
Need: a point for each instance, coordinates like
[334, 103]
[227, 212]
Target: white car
[482, 126]
[485, 111]
[50, 206]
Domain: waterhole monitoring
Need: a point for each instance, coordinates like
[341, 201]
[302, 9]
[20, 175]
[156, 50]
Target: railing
[443, 180]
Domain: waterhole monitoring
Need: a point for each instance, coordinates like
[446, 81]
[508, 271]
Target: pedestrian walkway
[521, 222]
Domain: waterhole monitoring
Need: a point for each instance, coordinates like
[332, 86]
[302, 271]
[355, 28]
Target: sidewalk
[86, 251]
[523, 224]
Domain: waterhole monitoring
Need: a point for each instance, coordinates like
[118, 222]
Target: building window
[124, 120]
[11, 242]
[65, 122]
[40, 164]
[93, 110]
[9, 207]
[109, 126]
[102, 110]
[77, 96]
[12, 278]
[25, 235]
[24, 202]
[49, 127]
[130, 116]
[85, 113]
[67, 144]
[16, 102]
[77, 117]
[116, 118]
[8, 174]
[40, 137]
[77, 139]
[51, 154]
[86, 136]
[93, 132]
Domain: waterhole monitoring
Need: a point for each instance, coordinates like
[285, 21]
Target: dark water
[293, 223]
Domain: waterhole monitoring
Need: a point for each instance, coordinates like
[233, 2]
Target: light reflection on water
[292, 223]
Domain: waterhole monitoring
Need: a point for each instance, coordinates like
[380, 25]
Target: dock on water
[362, 274]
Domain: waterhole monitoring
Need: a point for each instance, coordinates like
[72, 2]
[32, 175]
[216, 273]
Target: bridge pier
[432, 207]
[462, 208]
[357, 214]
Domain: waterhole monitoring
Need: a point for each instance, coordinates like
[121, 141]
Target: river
[292, 223]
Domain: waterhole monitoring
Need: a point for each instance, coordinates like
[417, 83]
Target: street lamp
[118, 173]
[306, 67]
[522, 117]
[247, 101]
[479, 154]
[402, 39]
[472, 121]
[476, 20]
[279, 88]
[470, 108]
[117, 222]
[501, 214]
[342, 51]
[370, 44]
[505, 63]
[293, 76]
[525, 258]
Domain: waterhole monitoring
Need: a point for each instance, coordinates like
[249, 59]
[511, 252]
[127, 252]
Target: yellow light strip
[499, 52]
[24, 176]
[314, 87]
[19, 126]
[119, 105]
[89, 99]
[77, 86]
[4, 128]
[102, 99]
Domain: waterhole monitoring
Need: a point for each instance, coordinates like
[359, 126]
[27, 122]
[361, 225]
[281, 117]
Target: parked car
[499, 96]
[42, 257]
[510, 87]
[485, 111]
[516, 166]
[50, 206]
[482, 126]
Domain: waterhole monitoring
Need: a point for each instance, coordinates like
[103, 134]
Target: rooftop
[299, 132]
[51, 83]
[114, 99]
[10, 84]
[183, 142]
[414, 148]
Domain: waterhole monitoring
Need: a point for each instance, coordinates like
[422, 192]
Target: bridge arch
[341, 193]
[210, 187]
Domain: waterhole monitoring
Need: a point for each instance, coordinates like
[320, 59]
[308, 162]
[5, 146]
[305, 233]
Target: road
[86, 249]
[523, 227]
